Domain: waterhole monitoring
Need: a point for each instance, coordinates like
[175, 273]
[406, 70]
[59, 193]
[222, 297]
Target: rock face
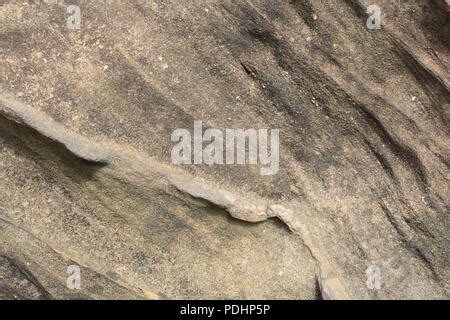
[86, 177]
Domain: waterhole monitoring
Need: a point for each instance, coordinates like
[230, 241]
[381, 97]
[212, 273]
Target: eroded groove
[436, 89]
[17, 270]
[403, 152]
[408, 243]
[381, 160]
[305, 10]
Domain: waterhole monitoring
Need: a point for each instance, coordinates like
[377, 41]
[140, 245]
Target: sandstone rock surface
[86, 176]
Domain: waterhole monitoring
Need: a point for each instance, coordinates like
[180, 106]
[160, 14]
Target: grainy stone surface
[86, 178]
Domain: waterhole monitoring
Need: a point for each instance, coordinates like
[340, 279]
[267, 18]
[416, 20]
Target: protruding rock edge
[39, 121]
[249, 209]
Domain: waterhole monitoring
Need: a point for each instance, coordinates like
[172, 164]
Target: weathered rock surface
[86, 178]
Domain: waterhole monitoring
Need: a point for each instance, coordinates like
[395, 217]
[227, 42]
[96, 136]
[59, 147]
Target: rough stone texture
[85, 172]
